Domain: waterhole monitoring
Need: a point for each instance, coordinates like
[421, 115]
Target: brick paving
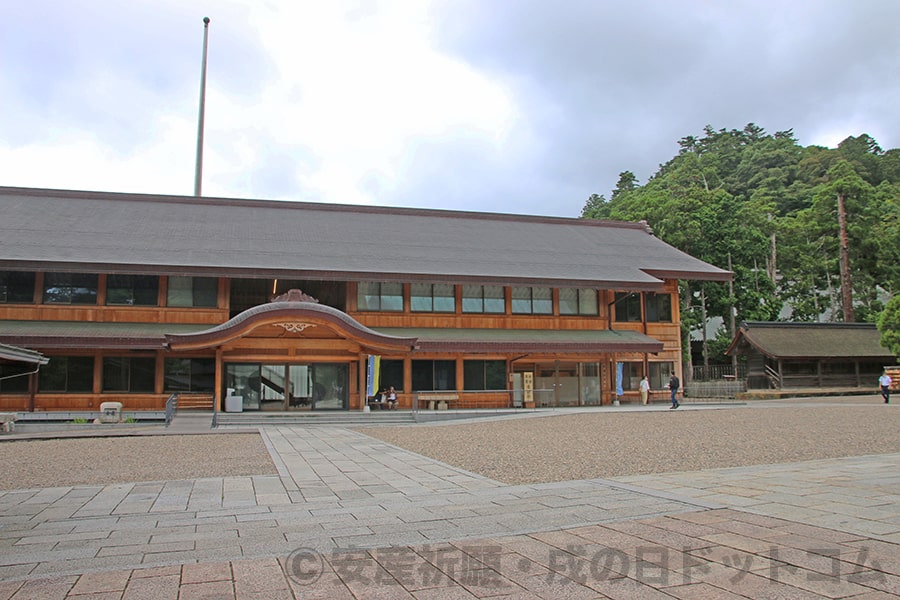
[348, 516]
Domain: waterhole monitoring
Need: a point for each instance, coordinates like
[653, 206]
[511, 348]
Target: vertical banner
[620, 367]
[373, 371]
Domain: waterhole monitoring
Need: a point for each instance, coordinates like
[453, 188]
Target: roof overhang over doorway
[291, 317]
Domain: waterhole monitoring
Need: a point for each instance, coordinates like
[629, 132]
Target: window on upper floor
[132, 290]
[70, 288]
[577, 301]
[483, 299]
[67, 374]
[659, 308]
[129, 374]
[193, 292]
[628, 307]
[532, 301]
[16, 287]
[377, 296]
[432, 297]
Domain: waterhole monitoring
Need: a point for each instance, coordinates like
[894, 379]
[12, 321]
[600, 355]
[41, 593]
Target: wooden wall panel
[14, 402]
[110, 314]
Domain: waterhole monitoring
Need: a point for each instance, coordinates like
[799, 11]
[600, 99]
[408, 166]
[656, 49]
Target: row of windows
[433, 375]
[488, 299]
[75, 374]
[121, 290]
[143, 290]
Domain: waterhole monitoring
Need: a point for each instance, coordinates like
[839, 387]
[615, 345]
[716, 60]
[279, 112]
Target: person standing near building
[885, 382]
[674, 384]
[645, 390]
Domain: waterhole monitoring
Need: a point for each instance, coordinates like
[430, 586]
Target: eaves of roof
[73, 334]
[528, 340]
[15, 354]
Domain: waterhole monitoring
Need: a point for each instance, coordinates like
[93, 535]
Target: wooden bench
[438, 401]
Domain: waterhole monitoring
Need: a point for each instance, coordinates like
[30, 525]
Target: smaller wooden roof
[293, 316]
[810, 340]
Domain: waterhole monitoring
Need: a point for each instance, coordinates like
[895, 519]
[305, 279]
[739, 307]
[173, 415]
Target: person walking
[885, 382]
[674, 384]
[645, 390]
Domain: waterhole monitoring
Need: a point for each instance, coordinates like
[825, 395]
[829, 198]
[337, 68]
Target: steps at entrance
[343, 419]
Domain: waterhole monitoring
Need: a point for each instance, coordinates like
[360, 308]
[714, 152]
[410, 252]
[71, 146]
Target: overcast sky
[513, 106]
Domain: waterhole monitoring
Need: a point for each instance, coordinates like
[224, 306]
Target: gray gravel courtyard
[534, 449]
[611, 444]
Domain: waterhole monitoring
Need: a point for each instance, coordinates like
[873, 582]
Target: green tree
[889, 326]
[779, 211]
[596, 207]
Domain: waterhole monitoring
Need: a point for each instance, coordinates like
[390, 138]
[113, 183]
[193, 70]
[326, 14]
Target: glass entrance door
[317, 386]
[561, 383]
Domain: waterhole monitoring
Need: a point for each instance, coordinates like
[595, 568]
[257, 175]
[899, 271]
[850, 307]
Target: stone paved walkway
[350, 516]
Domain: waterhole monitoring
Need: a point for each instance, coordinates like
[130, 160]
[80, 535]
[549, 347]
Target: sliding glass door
[316, 386]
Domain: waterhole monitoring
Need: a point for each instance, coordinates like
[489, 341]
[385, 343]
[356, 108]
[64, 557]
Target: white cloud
[354, 99]
[529, 106]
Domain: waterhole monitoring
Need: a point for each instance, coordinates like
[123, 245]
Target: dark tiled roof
[811, 340]
[65, 230]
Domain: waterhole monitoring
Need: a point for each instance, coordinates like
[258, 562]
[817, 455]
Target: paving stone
[109, 581]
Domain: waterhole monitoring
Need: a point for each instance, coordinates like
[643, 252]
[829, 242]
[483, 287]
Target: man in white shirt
[885, 382]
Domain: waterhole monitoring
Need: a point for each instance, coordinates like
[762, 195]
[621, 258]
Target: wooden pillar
[220, 376]
[363, 371]
[407, 375]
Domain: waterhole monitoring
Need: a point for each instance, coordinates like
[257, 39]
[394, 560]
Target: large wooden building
[285, 305]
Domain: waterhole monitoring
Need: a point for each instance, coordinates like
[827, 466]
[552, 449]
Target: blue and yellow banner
[373, 372]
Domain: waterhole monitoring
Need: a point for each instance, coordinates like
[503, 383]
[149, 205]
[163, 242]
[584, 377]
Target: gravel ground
[590, 445]
[522, 450]
[91, 461]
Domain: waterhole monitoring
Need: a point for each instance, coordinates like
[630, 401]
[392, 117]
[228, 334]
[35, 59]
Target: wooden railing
[773, 377]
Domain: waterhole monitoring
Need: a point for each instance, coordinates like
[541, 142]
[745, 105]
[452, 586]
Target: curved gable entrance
[292, 353]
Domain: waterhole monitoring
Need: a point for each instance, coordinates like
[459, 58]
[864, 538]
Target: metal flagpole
[198, 174]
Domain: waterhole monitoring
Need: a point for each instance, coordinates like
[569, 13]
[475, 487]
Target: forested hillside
[774, 212]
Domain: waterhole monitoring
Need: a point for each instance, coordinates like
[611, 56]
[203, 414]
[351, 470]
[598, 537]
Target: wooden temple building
[270, 305]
